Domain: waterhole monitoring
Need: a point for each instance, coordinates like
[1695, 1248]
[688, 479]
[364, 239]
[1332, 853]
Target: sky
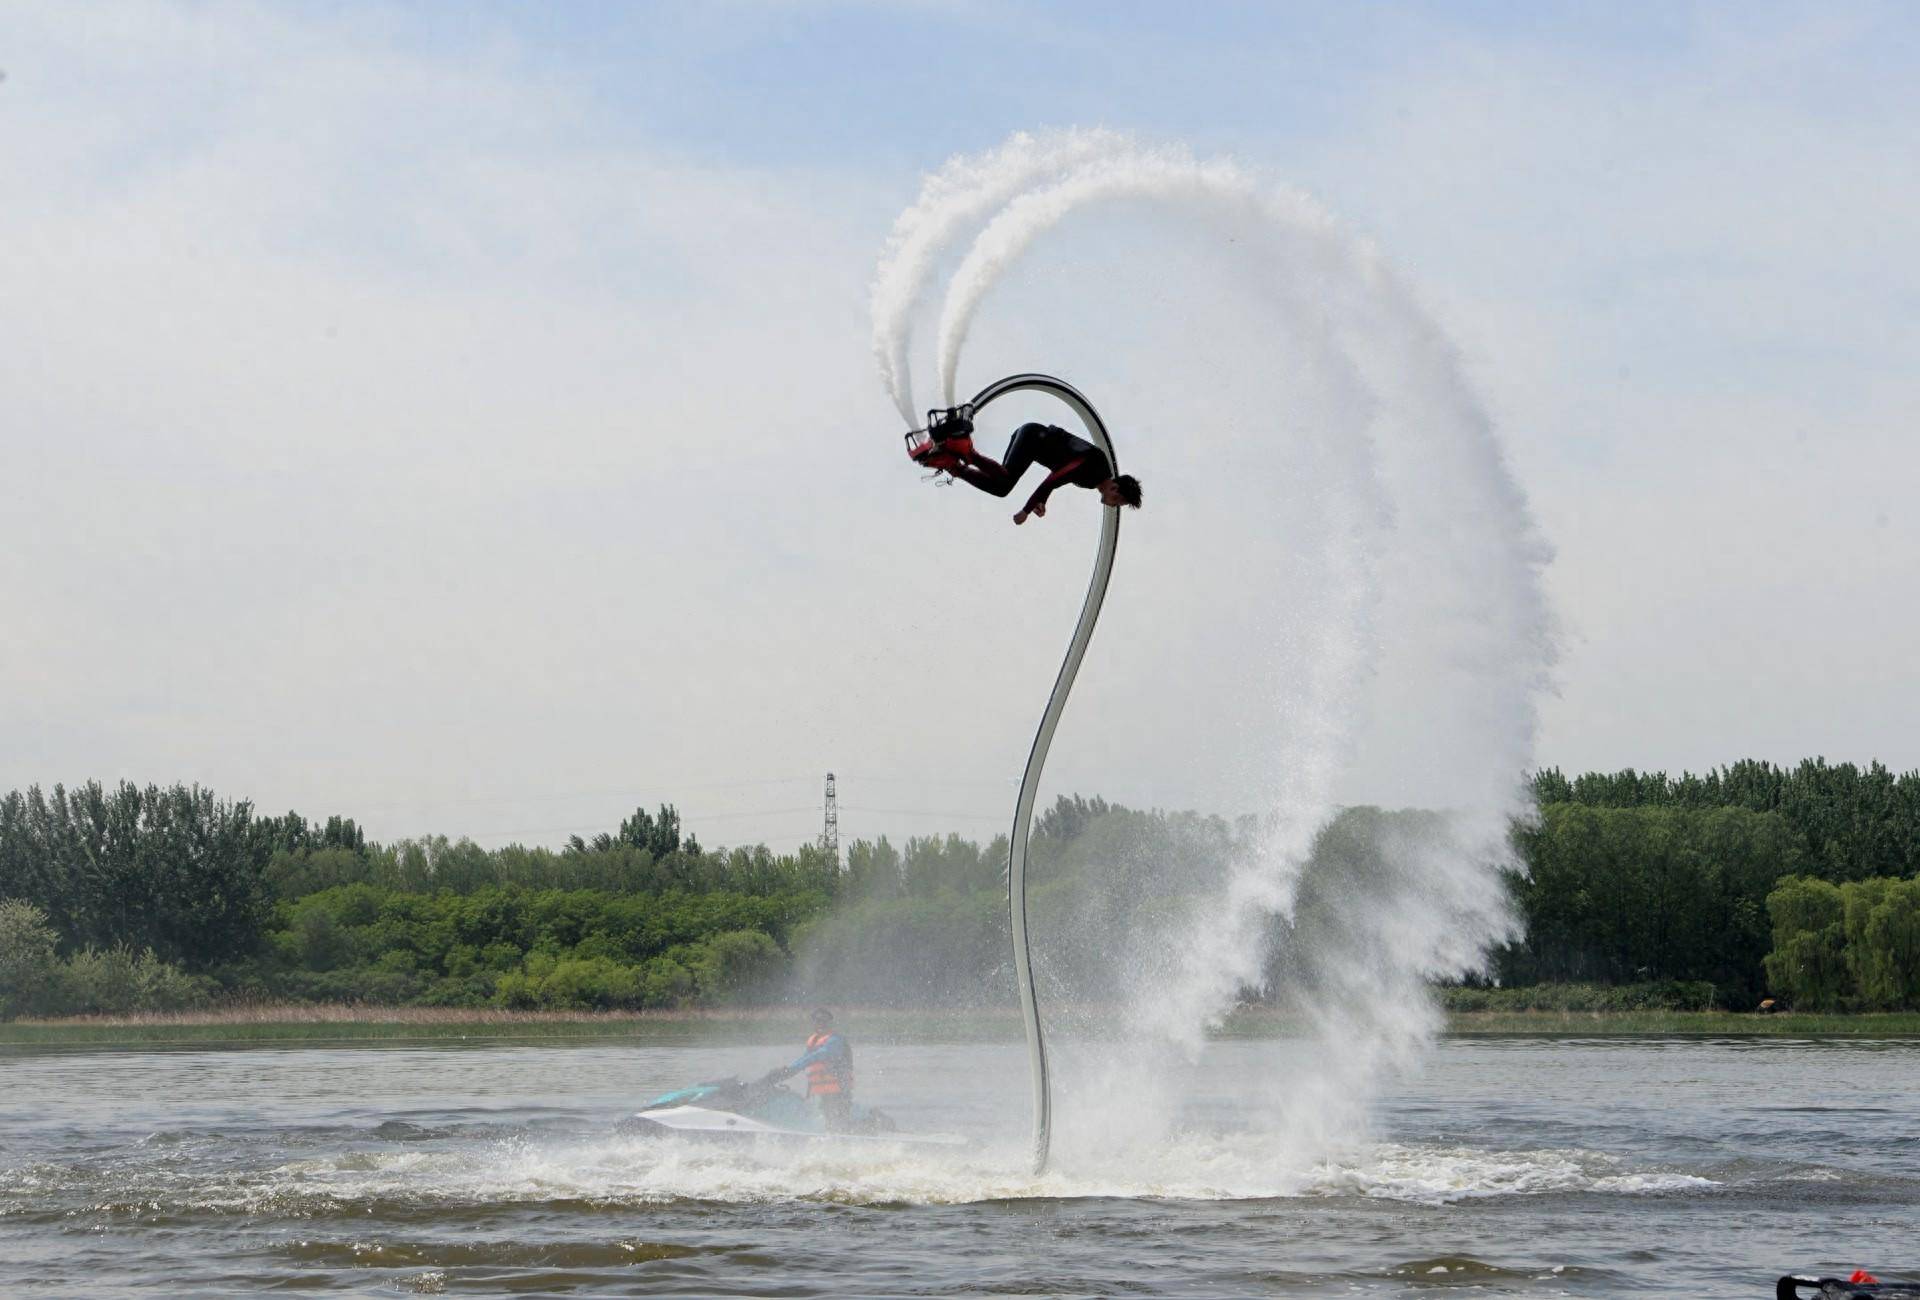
[463, 417]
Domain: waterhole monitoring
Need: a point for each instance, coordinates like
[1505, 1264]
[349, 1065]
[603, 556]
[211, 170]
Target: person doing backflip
[1072, 460]
[828, 1061]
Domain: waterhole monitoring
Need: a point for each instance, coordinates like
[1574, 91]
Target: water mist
[1426, 571]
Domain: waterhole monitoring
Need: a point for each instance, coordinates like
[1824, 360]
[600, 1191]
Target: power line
[356, 807]
[624, 792]
[997, 782]
[926, 812]
[829, 829]
[576, 827]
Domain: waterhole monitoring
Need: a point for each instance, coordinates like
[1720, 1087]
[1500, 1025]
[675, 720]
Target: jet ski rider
[1073, 460]
[828, 1061]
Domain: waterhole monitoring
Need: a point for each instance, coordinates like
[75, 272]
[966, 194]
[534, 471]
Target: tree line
[1748, 880]
[1644, 876]
[128, 897]
[1853, 822]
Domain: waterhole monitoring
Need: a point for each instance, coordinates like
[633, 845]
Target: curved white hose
[1043, 740]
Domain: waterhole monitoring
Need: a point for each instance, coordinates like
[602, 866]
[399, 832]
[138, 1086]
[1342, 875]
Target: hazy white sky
[463, 417]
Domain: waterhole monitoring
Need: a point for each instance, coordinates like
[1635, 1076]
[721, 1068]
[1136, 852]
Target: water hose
[1043, 740]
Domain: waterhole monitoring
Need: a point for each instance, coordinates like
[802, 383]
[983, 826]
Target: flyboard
[961, 418]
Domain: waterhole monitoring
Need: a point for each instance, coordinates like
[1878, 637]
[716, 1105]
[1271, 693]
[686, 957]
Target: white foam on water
[1198, 1168]
[1443, 1175]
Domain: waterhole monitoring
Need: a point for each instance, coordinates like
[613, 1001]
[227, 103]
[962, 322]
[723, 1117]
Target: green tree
[114, 981]
[1883, 949]
[1856, 823]
[27, 945]
[873, 869]
[1808, 964]
[738, 967]
[1648, 891]
[172, 869]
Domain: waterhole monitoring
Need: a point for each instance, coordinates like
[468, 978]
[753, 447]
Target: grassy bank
[305, 1024]
[1260, 1023]
[1710, 1024]
[297, 1025]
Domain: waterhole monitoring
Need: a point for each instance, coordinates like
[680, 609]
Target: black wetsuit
[1072, 459]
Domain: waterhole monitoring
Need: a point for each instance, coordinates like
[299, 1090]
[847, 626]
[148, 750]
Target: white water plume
[952, 199]
[1424, 607]
[1166, 175]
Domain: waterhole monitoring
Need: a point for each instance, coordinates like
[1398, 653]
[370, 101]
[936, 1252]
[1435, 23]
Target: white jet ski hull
[699, 1121]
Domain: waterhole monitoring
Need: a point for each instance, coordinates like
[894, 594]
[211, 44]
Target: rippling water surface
[1512, 1166]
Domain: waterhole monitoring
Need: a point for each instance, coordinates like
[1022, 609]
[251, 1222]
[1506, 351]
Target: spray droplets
[1422, 605]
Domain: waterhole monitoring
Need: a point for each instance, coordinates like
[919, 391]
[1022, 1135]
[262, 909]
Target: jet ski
[731, 1110]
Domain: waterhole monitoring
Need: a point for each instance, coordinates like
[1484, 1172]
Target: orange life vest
[827, 1078]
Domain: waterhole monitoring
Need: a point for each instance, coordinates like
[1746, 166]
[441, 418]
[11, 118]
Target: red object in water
[1863, 1278]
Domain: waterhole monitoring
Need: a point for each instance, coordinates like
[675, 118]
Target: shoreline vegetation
[1749, 886]
[320, 1025]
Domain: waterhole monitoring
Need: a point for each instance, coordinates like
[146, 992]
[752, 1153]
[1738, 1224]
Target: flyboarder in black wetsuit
[1072, 459]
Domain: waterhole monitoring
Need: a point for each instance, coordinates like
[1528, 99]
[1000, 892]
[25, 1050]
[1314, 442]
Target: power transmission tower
[830, 830]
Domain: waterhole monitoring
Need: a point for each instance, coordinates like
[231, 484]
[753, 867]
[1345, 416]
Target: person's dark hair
[822, 1016]
[1129, 489]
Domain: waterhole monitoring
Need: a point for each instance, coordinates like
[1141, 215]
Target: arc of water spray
[1458, 562]
[1043, 740]
[963, 192]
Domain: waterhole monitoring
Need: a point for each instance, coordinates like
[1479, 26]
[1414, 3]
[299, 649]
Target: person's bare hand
[1020, 518]
[1039, 508]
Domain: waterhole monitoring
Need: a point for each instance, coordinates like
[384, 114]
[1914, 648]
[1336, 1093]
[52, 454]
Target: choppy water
[1516, 1166]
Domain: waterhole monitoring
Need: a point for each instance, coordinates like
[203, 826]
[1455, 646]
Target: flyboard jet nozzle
[953, 422]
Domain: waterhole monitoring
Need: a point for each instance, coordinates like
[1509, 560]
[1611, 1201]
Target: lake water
[1506, 1167]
